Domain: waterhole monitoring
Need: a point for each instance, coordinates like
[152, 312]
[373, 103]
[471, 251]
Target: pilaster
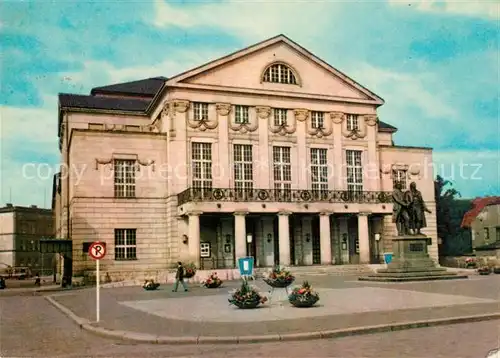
[337, 118]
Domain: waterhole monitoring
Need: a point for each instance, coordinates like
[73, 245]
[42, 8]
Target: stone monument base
[411, 262]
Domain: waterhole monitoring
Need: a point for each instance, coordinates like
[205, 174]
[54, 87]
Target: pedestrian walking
[179, 277]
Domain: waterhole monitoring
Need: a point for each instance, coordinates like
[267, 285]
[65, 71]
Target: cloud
[250, 20]
[473, 173]
[477, 8]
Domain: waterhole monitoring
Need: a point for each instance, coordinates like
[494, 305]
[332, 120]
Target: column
[240, 243]
[364, 238]
[284, 238]
[325, 238]
[194, 237]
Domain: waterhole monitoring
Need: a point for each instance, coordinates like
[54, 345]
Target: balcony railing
[280, 195]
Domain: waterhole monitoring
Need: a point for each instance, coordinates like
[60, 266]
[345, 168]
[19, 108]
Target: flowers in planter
[213, 281]
[470, 262]
[189, 270]
[246, 297]
[303, 296]
[150, 285]
[279, 277]
[484, 270]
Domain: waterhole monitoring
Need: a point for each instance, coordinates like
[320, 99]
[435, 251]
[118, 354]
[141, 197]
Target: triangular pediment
[244, 70]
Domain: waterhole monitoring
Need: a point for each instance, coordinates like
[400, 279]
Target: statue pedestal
[411, 262]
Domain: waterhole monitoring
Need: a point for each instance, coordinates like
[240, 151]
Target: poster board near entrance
[245, 265]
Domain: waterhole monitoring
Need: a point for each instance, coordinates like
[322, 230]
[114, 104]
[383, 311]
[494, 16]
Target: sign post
[97, 250]
[245, 264]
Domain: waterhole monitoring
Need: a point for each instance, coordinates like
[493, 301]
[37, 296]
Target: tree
[445, 199]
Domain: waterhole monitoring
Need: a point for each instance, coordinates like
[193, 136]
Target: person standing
[179, 277]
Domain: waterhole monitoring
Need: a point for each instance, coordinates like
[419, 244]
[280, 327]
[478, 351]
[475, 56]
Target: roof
[385, 127]
[478, 205]
[269, 42]
[98, 102]
[147, 87]
[9, 208]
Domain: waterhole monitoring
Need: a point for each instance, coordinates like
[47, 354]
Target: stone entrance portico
[217, 240]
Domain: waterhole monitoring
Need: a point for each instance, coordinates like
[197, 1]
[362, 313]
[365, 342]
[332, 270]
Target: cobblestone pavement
[31, 327]
[120, 317]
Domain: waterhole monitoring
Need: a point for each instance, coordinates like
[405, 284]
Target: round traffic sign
[97, 250]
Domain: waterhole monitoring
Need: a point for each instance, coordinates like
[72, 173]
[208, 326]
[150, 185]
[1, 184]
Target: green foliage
[449, 212]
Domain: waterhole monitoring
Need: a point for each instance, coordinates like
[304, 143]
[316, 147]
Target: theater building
[267, 152]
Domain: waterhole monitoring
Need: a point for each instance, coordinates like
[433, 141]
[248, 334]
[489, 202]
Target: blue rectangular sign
[388, 257]
[245, 264]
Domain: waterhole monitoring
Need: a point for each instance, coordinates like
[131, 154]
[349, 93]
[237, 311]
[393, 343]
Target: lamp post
[377, 240]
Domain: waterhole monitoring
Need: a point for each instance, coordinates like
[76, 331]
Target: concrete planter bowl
[151, 286]
[303, 302]
[215, 284]
[279, 283]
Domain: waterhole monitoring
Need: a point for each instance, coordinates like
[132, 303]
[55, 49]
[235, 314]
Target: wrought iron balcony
[282, 195]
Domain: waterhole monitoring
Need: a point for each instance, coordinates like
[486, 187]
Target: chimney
[33, 206]
[9, 205]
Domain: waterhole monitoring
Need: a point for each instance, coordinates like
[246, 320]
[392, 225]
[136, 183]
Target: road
[31, 327]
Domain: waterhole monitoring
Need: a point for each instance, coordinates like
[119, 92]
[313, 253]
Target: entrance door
[291, 226]
[251, 246]
[276, 247]
[316, 245]
[352, 229]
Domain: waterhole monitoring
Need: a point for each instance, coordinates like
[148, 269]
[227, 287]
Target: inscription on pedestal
[416, 247]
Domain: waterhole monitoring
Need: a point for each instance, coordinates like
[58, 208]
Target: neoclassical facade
[267, 152]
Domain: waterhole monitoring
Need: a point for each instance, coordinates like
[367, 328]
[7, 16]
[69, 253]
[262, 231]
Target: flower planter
[277, 283]
[213, 284]
[246, 297]
[246, 304]
[151, 287]
[484, 272]
[496, 270]
[302, 302]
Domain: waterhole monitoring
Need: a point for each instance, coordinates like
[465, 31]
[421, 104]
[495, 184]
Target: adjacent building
[267, 152]
[21, 229]
[484, 222]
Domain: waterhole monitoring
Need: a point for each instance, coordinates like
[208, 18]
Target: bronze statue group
[409, 210]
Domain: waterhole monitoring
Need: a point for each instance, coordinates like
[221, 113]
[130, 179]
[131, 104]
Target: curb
[338, 333]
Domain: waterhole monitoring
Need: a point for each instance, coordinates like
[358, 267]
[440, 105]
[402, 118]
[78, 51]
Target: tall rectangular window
[399, 176]
[241, 114]
[124, 173]
[317, 119]
[200, 111]
[280, 116]
[125, 244]
[486, 234]
[354, 171]
[319, 169]
[352, 122]
[243, 167]
[282, 168]
[202, 165]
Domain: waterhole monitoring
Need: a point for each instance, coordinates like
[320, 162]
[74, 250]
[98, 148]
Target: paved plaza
[52, 334]
[333, 302]
[344, 303]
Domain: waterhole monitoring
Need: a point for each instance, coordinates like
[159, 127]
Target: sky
[436, 64]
